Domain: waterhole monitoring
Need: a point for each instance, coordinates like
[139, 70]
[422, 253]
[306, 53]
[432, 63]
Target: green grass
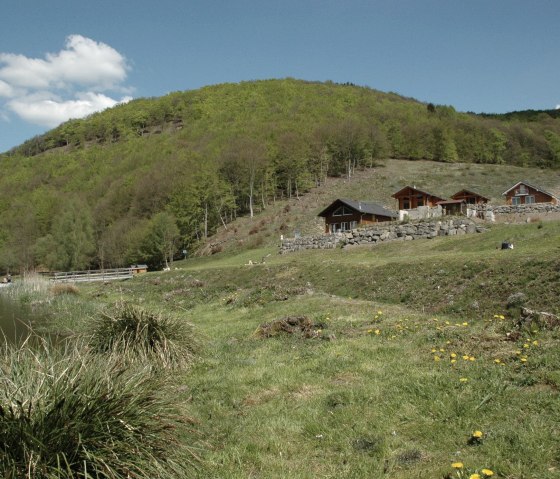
[364, 396]
[66, 414]
[143, 336]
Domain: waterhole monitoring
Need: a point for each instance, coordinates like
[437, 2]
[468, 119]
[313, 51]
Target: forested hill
[122, 185]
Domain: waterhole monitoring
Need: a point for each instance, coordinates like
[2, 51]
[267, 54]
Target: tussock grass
[141, 335]
[65, 414]
[64, 288]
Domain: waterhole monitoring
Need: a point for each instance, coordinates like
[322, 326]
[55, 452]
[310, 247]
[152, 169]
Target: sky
[62, 59]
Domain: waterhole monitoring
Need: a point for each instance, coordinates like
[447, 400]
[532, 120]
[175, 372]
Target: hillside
[405, 350]
[143, 181]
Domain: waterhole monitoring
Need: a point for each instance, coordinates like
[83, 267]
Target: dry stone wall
[517, 212]
[383, 232]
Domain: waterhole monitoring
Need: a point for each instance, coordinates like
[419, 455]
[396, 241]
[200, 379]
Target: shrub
[64, 288]
[141, 335]
[70, 415]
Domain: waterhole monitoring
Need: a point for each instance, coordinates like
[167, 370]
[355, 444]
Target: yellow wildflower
[466, 357]
[487, 472]
[441, 350]
[535, 343]
[474, 476]
[453, 361]
[463, 380]
[526, 346]
[523, 360]
[453, 355]
[497, 361]
[377, 332]
[436, 358]
[465, 324]
[477, 434]
[369, 331]
[472, 358]
[379, 312]
[457, 465]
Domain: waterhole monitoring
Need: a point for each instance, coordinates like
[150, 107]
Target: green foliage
[65, 414]
[212, 154]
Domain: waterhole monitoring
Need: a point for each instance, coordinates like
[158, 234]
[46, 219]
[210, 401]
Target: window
[420, 201]
[342, 211]
[529, 199]
[344, 226]
[522, 190]
[406, 204]
[353, 225]
[515, 200]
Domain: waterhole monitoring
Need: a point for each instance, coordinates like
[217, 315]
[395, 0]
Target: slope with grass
[413, 360]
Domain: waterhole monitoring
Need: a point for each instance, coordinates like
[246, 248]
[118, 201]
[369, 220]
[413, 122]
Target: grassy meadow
[412, 358]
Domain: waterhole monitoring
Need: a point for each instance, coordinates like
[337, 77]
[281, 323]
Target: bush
[140, 335]
[70, 415]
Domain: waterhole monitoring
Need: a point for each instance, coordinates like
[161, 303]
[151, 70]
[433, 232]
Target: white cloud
[72, 83]
[52, 112]
[558, 107]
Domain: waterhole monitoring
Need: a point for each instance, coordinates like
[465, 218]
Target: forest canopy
[143, 180]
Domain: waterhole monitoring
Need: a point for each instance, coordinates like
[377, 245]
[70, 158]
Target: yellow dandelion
[465, 324]
[377, 332]
[472, 358]
[474, 476]
[523, 360]
[441, 350]
[526, 346]
[453, 361]
[518, 352]
[448, 323]
[502, 316]
[477, 434]
[434, 350]
[453, 355]
[457, 465]
[466, 357]
[447, 342]
[436, 358]
[535, 343]
[463, 380]
[379, 312]
[369, 331]
[497, 361]
[487, 472]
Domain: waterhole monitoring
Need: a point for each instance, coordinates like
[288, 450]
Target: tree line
[142, 181]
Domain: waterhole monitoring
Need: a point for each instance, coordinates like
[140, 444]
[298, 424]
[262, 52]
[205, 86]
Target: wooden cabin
[139, 268]
[523, 193]
[345, 215]
[470, 197]
[453, 207]
[411, 197]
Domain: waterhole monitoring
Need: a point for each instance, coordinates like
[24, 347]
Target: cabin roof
[469, 192]
[397, 194]
[538, 188]
[366, 207]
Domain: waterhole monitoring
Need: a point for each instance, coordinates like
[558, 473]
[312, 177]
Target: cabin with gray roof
[345, 215]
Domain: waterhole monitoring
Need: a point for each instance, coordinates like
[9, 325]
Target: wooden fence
[91, 275]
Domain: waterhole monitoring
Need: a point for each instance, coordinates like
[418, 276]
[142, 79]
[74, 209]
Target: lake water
[14, 320]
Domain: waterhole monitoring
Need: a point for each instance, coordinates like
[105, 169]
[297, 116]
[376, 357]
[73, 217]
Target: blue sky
[65, 58]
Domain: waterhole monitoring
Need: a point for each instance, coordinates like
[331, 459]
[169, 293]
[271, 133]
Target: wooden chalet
[470, 197]
[411, 197]
[523, 193]
[345, 215]
[453, 207]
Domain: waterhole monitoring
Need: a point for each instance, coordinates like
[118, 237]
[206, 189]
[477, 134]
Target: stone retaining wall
[383, 232]
[517, 212]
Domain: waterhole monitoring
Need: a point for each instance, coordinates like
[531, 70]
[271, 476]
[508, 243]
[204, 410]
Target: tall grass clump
[65, 414]
[141, 335]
